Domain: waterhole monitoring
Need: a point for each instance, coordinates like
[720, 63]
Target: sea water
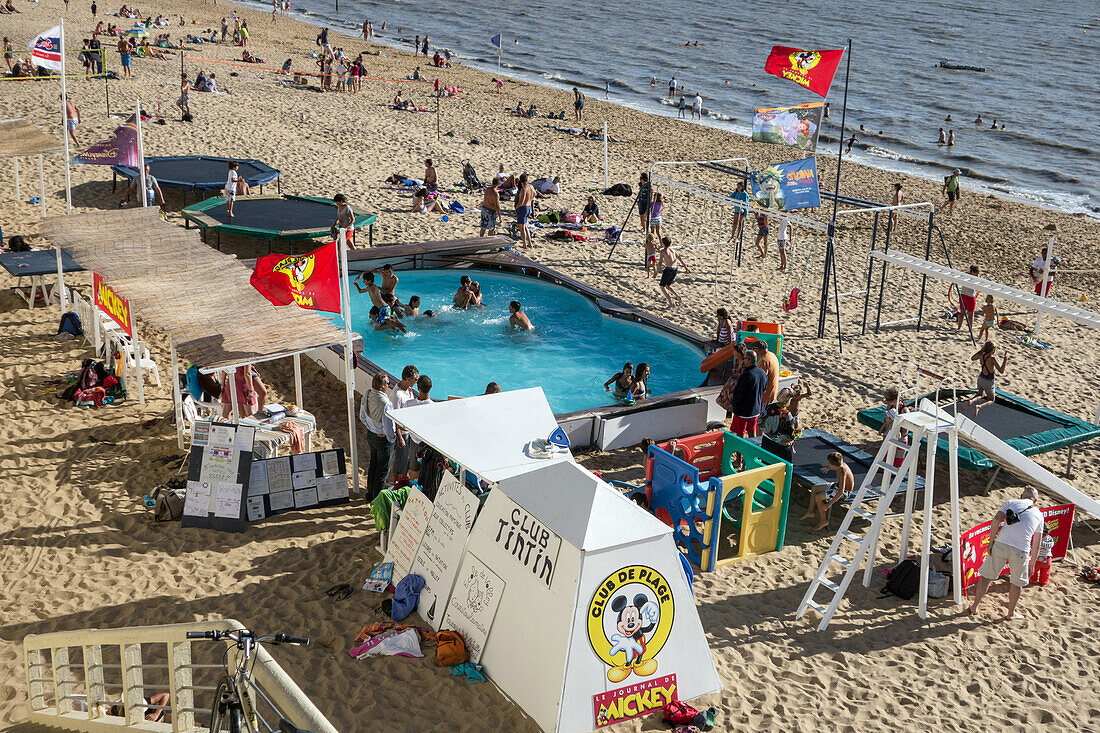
[1040, 79]
[572, 351]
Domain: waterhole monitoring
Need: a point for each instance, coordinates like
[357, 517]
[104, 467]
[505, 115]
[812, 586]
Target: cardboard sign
[407, 535]
[111, 303]
[527, 540]
[632, 701]
[975, 542]
[473, 604]
[441, 547]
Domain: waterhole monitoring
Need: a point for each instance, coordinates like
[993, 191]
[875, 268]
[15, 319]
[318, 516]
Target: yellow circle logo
[805, 60]
[629, 620]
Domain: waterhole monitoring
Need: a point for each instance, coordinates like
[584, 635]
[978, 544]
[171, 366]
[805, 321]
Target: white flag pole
[605, 182]
[65, 125]
[349, 355]
[500, 48]
[141, 156]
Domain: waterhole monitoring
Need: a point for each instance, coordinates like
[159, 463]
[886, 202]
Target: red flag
[311, 280]
[811, 69]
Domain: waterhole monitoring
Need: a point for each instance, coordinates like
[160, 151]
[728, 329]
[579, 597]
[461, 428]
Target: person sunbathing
[426, 204]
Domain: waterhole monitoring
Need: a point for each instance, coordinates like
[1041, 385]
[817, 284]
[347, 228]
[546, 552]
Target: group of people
[630, 384]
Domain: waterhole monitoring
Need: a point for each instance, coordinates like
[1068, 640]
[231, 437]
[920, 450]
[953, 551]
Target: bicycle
[233, 710]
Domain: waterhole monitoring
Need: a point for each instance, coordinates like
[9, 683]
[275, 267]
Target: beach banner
[310, 281]
[796, 126]
[975, 542]
[495, 40]
[45, 49]
[111, 303]
[813, 70]
[787, 186]
[119, 149]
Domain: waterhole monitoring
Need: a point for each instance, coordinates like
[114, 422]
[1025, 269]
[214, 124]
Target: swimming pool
[573, 350]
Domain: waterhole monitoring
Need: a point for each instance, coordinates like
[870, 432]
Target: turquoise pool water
[573, 350]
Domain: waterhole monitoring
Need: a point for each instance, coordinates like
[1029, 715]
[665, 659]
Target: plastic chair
[147, 364]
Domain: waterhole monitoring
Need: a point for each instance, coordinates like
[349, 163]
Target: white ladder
[892, 479]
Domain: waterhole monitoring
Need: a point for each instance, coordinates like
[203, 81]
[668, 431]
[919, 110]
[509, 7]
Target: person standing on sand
[72, 118]
[490, 210]
[645, 192]
[951, 190]
[897, 200]
[95, 12]
[1014, 539]
[761, 236]
[124, 49]
[669, 262]
[525, 195]
[770, 364]
[607, 90]
[374, 414]
[578, 105]
[739, 214]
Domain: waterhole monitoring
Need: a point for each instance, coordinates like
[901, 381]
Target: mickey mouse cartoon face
[630, 622]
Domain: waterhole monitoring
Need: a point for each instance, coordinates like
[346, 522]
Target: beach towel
[297, 437]
[405, 643]
[383, 503]
[406, 596]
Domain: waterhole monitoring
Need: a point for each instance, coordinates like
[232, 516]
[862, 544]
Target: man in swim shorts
[72, 115]
[124, 49]
[463, 295]
[670, 261]
[525, 194]
[490, 210]
[968, 299]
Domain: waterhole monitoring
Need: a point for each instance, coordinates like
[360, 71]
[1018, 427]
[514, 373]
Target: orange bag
[450, 649]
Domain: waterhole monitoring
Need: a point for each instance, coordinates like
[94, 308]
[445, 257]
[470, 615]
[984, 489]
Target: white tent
[487, 434]
[595, 620]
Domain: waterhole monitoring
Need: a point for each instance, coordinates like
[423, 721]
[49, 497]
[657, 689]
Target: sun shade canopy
[200, 172]
[200, 296]
[19, 137]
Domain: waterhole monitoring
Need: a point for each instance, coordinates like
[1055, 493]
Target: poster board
[441, 547]
[408, 533]
[217, 477]
[975, 541]
[291, 483]
[473, 605]
[529, 543]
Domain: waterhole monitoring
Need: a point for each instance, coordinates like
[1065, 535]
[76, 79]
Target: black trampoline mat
[205, 173]
[1006, 420]
[810, 455]
[276, 214]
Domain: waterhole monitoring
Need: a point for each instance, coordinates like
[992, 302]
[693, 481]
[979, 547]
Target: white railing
[127, 666]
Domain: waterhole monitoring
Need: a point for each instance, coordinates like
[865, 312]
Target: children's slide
[974, 436]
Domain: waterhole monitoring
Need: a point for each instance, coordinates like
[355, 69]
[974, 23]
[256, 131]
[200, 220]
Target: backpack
[904, 580]
[168, 506]
[678, 712]
[450, 649]
[16, 243]
[470, 176]
[70, 323]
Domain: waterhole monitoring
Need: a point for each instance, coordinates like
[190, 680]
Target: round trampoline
[272, 218]
[198, 172]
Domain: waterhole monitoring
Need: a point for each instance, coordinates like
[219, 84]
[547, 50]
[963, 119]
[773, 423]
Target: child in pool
[622, 381]
[989, 318]
[519, 319]
[413, 307]
[822, 500]
[383, 317]
[475, 293]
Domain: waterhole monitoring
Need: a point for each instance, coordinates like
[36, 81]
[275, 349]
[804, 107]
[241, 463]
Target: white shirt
[400, 397]
[341, 70]
[1019, 535]
[548, 186]
[697, 103]
[385, 427]
[231, 181]
[1039, 265]
[783, 224]
[412, 402]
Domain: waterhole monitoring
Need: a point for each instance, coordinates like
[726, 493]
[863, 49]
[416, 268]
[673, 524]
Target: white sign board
[525, 539]
[474, 600]
[406, 538]
[441, 547]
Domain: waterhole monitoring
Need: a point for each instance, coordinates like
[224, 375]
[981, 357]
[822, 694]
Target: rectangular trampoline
[1026, 426]
[810, 452]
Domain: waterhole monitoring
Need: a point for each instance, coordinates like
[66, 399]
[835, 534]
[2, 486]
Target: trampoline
[272, 218]
[198, 172]
[1024, 425]
[810, 453]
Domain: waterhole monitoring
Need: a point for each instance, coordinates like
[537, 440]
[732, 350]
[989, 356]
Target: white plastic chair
[126, 350]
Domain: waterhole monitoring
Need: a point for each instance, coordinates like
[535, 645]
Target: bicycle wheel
[220, 714]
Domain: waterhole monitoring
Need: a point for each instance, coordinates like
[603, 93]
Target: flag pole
[349, 355]
[65, 127]
[141, 155]
[830, 263]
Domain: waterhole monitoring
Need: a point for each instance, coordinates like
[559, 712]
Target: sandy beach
[78, 550]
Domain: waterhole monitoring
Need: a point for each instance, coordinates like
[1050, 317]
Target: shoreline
[866, 154]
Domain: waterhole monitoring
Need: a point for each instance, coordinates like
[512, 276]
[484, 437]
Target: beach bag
[619, 189]
[904, 580]
[938, 584]
[572, 218]
[470, 176]
[450, 649]
[612, 234]
[678, 712]
[16, 243]
[70, 323]
[457, 207]
[168, 506]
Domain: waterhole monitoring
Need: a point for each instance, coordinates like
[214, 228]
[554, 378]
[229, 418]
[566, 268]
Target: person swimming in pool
[462, 296]
[622, 381]
[364, 283]
[383, 318]
[413, 307]
[638, 387]
[519, 319]
[475, 293]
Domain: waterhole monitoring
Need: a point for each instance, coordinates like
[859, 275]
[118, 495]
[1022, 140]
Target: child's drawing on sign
[479, 590]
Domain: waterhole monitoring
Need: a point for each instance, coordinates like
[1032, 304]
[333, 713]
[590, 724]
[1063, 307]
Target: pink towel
[297, 437]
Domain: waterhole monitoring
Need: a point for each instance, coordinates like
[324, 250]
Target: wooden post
[133, 684]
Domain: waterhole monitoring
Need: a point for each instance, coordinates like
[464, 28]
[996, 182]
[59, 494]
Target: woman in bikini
[622, 381]
[638, 385]
[987, 378]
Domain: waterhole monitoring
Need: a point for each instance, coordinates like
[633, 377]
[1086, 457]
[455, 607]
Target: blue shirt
[748, 391]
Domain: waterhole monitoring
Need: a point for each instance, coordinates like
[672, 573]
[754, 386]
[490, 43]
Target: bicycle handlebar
[245, 633]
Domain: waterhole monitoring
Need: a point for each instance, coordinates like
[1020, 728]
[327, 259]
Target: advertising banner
[796, 126]
[787, 186]
[975, 542]
[111, 303]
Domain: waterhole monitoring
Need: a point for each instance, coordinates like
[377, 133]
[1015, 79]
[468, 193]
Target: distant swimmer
[943, 136]
[653, 81]
[1002, 125]
[948, 119]
[979, 121]
[862, 129]
[950, 138]
[826, 115]
[994, 125]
